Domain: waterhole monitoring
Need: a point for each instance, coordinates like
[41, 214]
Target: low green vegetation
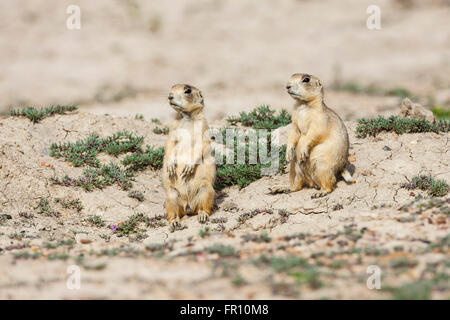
[84, 152]
[96, 221]
[243, 173]
[441, 113]
[435, 188]
[36, 115]
[53, 208]
[70, 204]
[203, 233]
[139, 196]
[222, 250]
[161, 130]
[263, 237]
[135, 223]
[399, 125]
[151, 157]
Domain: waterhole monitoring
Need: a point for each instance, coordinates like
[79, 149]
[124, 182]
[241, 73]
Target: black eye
[306, 80]
[187, 91]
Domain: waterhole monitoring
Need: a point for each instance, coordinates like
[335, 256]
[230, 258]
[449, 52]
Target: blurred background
[128, 53]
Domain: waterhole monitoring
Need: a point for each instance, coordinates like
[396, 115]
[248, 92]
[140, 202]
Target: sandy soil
[124, 60]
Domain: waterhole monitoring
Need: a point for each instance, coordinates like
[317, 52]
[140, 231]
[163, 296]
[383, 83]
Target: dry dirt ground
[256, 245]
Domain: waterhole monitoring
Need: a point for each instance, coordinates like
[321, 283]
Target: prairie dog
[317, 146]
[189, 169]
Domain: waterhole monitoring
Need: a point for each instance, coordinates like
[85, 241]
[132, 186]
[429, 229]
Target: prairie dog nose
[170, 96]
[288, 87]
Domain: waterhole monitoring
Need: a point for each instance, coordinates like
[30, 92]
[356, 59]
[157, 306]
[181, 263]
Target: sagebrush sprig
[262, 118]
[399, 125]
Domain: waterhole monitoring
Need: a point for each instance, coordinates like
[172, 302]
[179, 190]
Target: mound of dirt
[255, 245]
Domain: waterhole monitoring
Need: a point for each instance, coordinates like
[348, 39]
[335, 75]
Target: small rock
[386, 148]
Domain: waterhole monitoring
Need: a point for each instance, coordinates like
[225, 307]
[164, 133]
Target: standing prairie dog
[317, 147]
[189, 169]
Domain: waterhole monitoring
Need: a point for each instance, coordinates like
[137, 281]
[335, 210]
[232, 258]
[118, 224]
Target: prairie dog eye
[306, 80]
[187, 91]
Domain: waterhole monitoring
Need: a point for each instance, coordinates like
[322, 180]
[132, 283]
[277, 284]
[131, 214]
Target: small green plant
[84, 152]
[161, 130]
[58, 256]
[70, 204]
[139, 196]
[222, 250]
[151, 158]
[4, 217]
[435, 188]
[399, 125]
[131, 226]
[27, 255]
[92, 178]
[203, 233]
[441, 113]
[139, 116]
[242, 173]
[310, 276]
[418, 290]
[96, 220]
[44, 207]
[155, 222]
[156, 120]
[238, 280]
[53, 245]
[262, 118]
[263, 237]
[36, 115]
[284, 263]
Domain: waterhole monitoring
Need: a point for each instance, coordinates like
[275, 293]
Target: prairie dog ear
[319, 83]
[200, 96]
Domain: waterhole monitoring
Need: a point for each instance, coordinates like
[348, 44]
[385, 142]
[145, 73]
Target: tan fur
[189, 169]
[317, 146]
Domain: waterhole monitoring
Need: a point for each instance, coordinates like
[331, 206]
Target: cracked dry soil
[255, 245]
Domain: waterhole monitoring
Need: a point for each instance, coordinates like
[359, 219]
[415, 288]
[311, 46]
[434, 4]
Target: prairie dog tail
[347, 176]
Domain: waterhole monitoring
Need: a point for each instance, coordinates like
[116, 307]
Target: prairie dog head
[304, 87]
[185, 98]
